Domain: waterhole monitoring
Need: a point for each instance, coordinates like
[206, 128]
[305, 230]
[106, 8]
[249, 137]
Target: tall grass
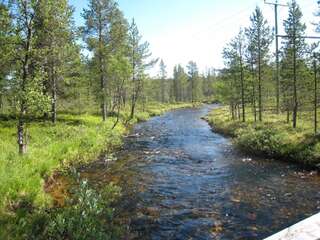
[75, 139]
[25, 209]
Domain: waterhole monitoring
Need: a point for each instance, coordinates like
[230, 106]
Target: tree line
[248, 82]
[186, 84]
[44, 70]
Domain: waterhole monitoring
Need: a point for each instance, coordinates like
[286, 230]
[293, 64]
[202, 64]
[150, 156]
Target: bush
[272, 138]
[87, 215]
[263, 140]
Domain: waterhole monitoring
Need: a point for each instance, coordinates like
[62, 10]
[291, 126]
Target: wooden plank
[308, 229]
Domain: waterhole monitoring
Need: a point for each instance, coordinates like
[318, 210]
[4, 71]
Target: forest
[70, 95]
[67, 93]
[44, 70]
[279, 89]
[263, 81]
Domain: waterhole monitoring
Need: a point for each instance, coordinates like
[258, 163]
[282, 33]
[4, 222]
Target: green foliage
[73, 140]
[87, 214]
[6, 52]
[273, 138]
[194, 82]
[266, 141]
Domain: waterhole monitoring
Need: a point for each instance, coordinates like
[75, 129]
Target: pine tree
[194, 81]
[180, 80]
[176, 84]
[98, 18]
[234, 56]
[163, 77]
[138, 55]
[293, 54]
[207, 86]
[260, 38]
[119, 70]
[53, 25]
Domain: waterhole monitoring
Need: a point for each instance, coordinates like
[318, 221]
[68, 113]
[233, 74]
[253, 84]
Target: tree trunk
[54, 99]
[288, 112]
[104, 107]
[295, 97]
[21, 130]
[259, 80]
[242, 85]
[192, 92]
[104, 110]
[254, 93]
[232, 111]
[102, 73]
[1, 103]
[133, 106]
[25, 74]
[133, 96]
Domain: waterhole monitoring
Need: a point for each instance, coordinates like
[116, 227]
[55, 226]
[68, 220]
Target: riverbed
[180, 180]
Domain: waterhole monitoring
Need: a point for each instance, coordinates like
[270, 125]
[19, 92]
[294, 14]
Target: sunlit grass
[72, 140]
[75, 139]
[273, 137]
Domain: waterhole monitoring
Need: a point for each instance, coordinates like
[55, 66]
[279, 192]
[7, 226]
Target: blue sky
[182, 30]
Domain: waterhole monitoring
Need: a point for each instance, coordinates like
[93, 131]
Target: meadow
[73, 141]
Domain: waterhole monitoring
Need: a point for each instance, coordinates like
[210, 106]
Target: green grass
[74, 140]
[26, 211]
[273, 137]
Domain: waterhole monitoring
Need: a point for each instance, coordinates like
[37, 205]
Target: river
[180, 180]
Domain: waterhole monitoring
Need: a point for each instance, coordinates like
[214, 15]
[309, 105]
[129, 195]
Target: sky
[183, 30]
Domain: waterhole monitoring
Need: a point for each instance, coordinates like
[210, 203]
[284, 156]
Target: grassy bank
[272, 138]
[74, 140]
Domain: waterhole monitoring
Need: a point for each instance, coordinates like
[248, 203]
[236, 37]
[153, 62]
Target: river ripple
[183, 181]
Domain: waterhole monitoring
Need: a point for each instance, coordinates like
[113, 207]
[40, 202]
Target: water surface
[181, 180]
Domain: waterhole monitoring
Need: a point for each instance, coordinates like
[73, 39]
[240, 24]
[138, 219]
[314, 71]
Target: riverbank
[180, 180]
[72, 141]
[273, 138]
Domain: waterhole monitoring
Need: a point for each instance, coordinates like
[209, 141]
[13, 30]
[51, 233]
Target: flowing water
[180, 180]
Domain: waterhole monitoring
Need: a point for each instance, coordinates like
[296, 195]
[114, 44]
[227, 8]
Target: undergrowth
[273, 137]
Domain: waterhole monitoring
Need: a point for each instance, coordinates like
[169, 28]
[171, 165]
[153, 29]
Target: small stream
[182, 181]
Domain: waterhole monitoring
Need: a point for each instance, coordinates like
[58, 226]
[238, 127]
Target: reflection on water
[182, 181]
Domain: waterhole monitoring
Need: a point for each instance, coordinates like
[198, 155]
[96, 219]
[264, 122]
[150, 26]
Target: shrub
[87, 215]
